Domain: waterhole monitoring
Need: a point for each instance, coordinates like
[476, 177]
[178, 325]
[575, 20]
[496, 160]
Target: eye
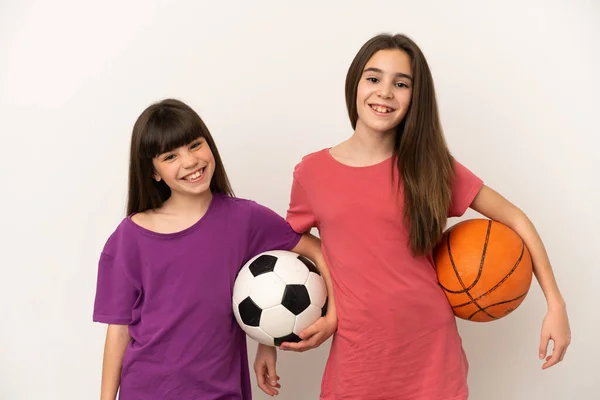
[373, 79]
[195, 145]
[401, 85]
[169, 157]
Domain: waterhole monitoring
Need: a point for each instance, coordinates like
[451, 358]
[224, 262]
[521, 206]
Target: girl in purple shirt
[166, 274]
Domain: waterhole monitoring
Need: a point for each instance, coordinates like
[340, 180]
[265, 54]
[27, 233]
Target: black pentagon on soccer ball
[295, 298]
[311, 267]
[262, 265]
[292, 337]
[249, 312]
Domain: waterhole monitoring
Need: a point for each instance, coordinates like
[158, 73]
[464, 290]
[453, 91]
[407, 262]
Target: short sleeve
[269, 231]
[115, 293]
[465, 186]
[300, 215]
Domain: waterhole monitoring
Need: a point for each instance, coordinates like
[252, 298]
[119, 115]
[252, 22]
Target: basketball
[484, 268]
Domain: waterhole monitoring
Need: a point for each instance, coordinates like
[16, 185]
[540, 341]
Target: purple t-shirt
[175, 290]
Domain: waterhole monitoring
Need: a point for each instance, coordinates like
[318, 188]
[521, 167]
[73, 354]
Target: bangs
[167, 129]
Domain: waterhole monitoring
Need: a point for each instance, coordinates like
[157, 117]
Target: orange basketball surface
[484, 268]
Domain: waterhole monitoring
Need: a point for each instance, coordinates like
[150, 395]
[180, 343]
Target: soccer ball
[276, 295]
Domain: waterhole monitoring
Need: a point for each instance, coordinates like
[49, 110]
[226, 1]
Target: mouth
[195, 176]
[381, 109]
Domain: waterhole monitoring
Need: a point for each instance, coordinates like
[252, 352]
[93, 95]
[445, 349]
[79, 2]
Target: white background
[517, 83]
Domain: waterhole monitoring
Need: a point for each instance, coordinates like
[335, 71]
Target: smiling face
[187, 170]
[384, 91]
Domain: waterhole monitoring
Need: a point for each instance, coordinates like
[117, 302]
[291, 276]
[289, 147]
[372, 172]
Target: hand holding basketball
[485, 270]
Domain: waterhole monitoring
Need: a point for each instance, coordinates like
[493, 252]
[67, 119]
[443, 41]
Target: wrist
[331, 319]
[556, 302]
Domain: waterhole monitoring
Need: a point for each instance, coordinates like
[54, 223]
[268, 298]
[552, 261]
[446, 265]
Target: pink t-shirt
[397, 336]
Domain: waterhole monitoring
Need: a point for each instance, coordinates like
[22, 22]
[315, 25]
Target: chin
[382, 129]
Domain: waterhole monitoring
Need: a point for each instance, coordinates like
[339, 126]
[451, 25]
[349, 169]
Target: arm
[556, 324]
[264, 368]
[313, 336]
[310, 246]
[117, 339]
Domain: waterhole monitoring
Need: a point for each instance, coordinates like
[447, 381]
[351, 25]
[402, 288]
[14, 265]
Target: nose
[385, 92]
[188, 160]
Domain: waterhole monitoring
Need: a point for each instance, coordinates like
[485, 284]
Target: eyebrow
[398, 74]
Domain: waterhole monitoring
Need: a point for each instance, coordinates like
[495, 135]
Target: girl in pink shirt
[381, 200]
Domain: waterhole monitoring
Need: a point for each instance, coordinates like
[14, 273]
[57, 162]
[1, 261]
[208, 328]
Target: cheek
[362, 93]
[209, 158]
[172, 167]
[207, 155]
[404, 98]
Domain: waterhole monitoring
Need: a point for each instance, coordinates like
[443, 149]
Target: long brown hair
[162, 127]
[420, 151]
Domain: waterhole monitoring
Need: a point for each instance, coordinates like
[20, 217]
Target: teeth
[195, 175]
[381, 109]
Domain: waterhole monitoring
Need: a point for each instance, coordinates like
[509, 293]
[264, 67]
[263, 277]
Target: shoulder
[461, 172]
[246, 206]
[241, 212]
[121, 239]
[235, 207]
[311, 163]
[232, 203]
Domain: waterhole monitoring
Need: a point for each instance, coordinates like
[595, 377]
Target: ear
[156, 176]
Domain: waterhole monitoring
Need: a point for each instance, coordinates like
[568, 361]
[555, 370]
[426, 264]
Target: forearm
[324, 270]
[542, 269]
[117, 339]
[556, 323]
[491, 204]
[310, 247]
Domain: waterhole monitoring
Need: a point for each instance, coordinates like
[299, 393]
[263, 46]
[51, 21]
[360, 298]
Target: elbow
[519, 221]
[119, 333]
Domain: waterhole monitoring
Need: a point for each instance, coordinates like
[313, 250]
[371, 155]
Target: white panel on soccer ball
[243, 283]
[316, 289]
[277, 321]
[307, 318]
[267, 290]
[258, 335]
[291, 270]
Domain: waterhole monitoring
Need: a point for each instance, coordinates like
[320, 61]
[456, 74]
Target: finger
[315, 340]
[291, 346]
[258, 370]
[273, 378]
[261, 380]
[302, 345]
[272, 387]
[310, 331]
[299, 346]
[562, 355]
[553, 358]
[543, 349]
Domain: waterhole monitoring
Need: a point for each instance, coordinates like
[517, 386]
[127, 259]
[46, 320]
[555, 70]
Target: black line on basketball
[501, 281]
[483, 253]
[497, 304]
[465, 290]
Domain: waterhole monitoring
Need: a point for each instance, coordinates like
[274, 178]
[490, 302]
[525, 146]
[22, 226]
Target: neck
[190, 206]
[372, 145]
